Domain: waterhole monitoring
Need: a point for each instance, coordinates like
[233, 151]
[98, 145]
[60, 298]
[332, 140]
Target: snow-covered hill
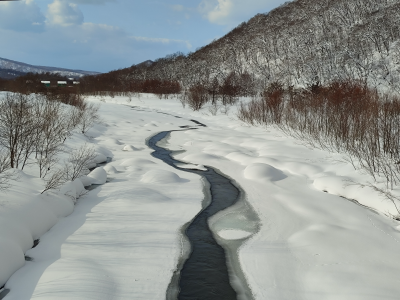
[301, 43]
[7, 65]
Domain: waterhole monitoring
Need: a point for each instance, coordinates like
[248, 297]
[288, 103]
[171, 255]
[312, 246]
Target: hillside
[300, 43]
[10, 69]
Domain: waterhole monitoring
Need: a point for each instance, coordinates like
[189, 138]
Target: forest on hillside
[301, 43]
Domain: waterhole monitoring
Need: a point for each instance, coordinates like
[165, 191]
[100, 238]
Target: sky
[105, 35]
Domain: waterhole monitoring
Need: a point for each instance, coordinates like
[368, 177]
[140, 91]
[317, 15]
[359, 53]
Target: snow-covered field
[123, 239]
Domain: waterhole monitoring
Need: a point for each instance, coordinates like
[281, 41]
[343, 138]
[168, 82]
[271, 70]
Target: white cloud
[64, 14]
[67, 41]
[232, 12]
[21, 16]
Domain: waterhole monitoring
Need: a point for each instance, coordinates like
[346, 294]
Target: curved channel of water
[204, 274]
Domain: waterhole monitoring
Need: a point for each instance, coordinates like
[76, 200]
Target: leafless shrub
[88, 117]
[214, 108]
[343, 117]
[55, 180]
[225, 109]
[78, 163]
[17, 128]
[54, 125]
[6, 174]
[183, 98]
[197, 97]
[385, 193]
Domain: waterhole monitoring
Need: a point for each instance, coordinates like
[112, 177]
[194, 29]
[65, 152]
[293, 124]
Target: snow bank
[136, 162]
[129, 148]
[261, 172]
[24, 220]
[110, 169]
[73, 189]
[98, 176]
[161, 176]
[233, 234]
[124, 241]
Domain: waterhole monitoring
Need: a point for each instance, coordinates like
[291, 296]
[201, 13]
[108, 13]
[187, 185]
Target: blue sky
[104, 35]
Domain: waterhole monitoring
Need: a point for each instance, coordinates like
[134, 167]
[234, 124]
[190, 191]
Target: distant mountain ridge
[11, 69]
[10, 74]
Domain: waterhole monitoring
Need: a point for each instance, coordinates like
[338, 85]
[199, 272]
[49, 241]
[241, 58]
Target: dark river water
[204, 274]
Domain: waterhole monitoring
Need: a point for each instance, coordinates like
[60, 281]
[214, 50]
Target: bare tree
[75, 166]
[17, 128]
[6, 174]
[88, 117]
[54, 126]
[55, 180]
[78, 163]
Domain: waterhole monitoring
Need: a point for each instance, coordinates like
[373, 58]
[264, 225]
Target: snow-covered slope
[7, 64]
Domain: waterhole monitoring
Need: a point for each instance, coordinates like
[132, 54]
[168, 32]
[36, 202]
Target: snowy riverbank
[123, 239]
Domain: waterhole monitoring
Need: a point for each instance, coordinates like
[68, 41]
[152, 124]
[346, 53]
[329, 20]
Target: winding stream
[204, 275]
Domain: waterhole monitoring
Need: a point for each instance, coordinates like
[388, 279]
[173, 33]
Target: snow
[297, 235]
[129, 148]
[160, 176]
[98, 176]
[73, 189]
[26, 68]
[232, 234]
[263, 172]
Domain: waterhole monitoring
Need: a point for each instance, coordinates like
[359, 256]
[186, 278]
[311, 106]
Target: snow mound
[150, 124]
[161, 176]
[261, 172]
[95, 281]
[100, 158]
[86, 181]
[136, 162]
[129, 148]
[110, 169]
[112, 142]
[219, 149]
[233, 234]
[239, 157]
[98, 176]
[103, 150]
[146, 195]
[73, 189]
[12, 258]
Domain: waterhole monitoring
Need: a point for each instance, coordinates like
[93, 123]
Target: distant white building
[46, 83]
[76, 82]
[61, 83]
